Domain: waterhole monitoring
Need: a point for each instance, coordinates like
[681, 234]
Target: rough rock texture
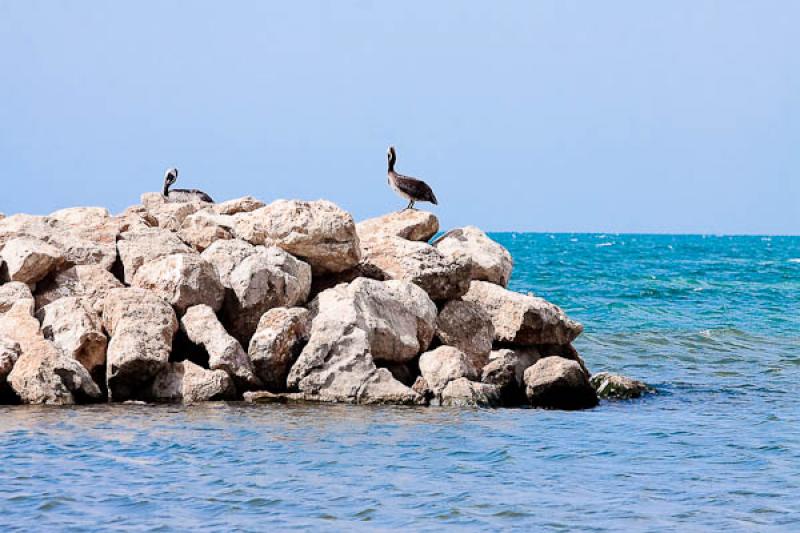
[465, 393]
[279, 337]
[9, 353]
[189, 383]
[443, 278]
[266, 279]
[141, 325]
[76, 330]
[443, 365]
[466, 326]
[144, 246]
[408, 224]
[506, 370]
[224, 352]
[90, 283]
[170, 215]
[398, 317]
[521, 319]
[203, 228]
[318, 232]
[490, 261]
[182, 279]
[330, 280]
[226, 256]
[558, 383]
[28, 260]
[41, 373]
[615, 387]
[11, 293]
[244, 204]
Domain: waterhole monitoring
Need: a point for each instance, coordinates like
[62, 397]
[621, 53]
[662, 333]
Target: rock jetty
[287, 301]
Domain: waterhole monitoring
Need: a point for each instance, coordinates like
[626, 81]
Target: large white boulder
[140, 247]
[408, 224]
[28, 260]
[443, 365]
[76, 329]
[183, 279]
[489, 260]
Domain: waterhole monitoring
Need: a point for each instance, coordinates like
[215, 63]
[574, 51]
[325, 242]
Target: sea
[712, 323]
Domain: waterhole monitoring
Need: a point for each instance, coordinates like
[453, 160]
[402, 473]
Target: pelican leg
[410, 205]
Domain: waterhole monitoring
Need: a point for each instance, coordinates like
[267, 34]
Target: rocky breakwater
[291, 301]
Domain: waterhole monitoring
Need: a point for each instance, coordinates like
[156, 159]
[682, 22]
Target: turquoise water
[712, 322]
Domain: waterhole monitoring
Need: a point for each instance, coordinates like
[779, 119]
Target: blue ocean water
[712, 322]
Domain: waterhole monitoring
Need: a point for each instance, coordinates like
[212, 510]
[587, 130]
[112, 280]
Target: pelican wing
[416, 189]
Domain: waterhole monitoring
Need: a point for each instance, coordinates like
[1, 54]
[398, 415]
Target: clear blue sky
[635, 116]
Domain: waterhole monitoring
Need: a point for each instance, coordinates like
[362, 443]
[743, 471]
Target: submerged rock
[557, 383]
[489, 260]
[615, 387]
[408, 224]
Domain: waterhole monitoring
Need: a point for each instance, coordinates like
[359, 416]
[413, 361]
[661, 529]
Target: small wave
[602, 244]
[794, 260]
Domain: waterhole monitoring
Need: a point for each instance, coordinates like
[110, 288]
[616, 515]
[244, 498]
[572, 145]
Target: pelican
[411, 189]
[182, 195]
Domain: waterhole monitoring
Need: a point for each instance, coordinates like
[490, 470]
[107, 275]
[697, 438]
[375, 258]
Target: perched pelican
[411, 189]
[182, 195]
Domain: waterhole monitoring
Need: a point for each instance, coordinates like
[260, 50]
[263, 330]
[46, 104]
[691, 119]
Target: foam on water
[712, 322]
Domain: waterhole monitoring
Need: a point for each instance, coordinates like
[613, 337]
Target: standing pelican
[182, 195]
[411, 189]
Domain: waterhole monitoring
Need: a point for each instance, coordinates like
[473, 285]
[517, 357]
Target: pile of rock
[281, 302]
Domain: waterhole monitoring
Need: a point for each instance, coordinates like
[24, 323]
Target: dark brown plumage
[412, 189]
[182, 195]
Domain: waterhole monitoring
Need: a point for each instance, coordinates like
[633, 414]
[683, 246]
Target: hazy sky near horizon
[616, 116]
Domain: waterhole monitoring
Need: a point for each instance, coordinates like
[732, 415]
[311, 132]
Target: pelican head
[171, 176]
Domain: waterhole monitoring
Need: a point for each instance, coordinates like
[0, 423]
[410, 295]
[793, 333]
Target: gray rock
[9, 353]
[615, 387]
[224, 352]
[28, 260]
[319, 232]
[141, 247]
[490, 261]
[465, 393]
[408, 224]
[557, 383]
[520, 319]
[183, 279]
[466, 326]
[189, 383]
[506, 370]
[443, 365]
[141, 325]
[279, 337]
[76, 330]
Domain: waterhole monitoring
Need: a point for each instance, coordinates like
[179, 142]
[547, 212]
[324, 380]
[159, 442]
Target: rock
[170, 215]
[443, 365]
[441, 277]
[557, 383]
[187, 382]
[244, 204]
[280, 336]
[76, 330]
[408, 224]
[405, 373]
[506, 370]
[42, 374]
[266, 279]
[11, 293]
[89, 283]
[88, 217]
[183, 280]
[319, 232]
[224, 352]
[86, 235]
[133, 219]
[422, 388]
[141, 325]
[615, 387]
[9, 353]
[466, 326]
[226, 256]
[263, 396]
[203, 228]
[490, 261]
[398, 317]
[520, 319]
[28, 260]
[465, 393]
[327, 281]
[145, 246]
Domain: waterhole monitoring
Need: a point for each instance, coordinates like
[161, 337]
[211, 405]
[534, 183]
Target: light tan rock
[465, 393]
[90, 283]
[244, 204]
[226, 255]
[75, 329]
[28, 260]
[441, 277]
[16, 291]
[408, 224]
[201, 229]
[558, 383]
[189, 383]
[86, 235]
[266, 279]
[490, 260]
[466, 326]
[224, 352]
[141, 325]
[318, 232]
[144, 246]
[90, 217]
[182, 279]
[170, 215]
[443, 365]
[42, 374]
[281, 334]
[520, 319]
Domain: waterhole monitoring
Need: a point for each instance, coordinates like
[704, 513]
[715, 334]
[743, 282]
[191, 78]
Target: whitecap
[794, 260]
[604, 244]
